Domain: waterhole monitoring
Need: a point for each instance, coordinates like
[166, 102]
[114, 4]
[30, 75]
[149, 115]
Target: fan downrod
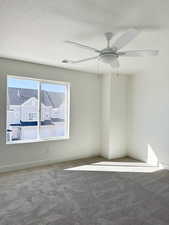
[108, 36]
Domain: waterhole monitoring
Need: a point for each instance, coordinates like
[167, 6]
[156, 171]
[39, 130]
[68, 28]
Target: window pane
[22, 109]
[53, 112]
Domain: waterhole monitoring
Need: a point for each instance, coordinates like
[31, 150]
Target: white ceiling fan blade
[136, 53]
[125, 38]
[82, 46]
[115, 63]
[79, 61]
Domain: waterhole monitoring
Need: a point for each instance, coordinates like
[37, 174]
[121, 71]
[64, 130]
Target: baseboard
[33, 164]
[109, 157]
[21, 166]
[164, 166]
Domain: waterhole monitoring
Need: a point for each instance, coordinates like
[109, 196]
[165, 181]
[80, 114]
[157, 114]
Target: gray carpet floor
[53, 197]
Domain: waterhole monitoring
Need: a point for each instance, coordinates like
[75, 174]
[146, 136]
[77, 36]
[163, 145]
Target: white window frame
[67, 114]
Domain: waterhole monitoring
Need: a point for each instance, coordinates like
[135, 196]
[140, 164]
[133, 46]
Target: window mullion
[39, 108]
[47, 102]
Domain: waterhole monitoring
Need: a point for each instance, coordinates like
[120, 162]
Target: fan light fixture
[107, 56]
[110, 54]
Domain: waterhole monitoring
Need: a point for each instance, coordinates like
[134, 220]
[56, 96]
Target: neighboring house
[23, 110]
[28, 111]
[46, 113]
[58, 113]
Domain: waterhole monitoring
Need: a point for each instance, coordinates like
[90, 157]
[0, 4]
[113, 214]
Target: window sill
[37, 140]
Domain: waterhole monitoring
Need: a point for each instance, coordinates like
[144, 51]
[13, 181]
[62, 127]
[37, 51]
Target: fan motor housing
[108, 55]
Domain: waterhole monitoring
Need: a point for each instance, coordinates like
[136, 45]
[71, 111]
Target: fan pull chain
[98, 68]
[117, 72]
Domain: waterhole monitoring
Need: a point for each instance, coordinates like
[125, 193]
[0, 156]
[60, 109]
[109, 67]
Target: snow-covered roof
[18, 96]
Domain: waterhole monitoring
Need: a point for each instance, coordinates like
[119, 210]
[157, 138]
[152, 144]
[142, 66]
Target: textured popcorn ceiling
[35, 30]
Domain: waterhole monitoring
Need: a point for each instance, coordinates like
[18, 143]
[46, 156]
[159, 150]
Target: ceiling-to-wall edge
[43, 63]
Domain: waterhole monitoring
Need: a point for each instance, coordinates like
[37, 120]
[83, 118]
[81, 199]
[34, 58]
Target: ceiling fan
[110, 54]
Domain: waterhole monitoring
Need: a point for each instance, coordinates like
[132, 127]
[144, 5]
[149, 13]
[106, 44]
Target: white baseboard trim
[21, 166]
[164, 166]
[110, 157]
[33, 164]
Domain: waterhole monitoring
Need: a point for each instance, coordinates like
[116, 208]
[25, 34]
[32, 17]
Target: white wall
[132, 119]
[118, 122]
[114, 115]
[148, 102]
[135, 107]
[85, 119]
[106, 115]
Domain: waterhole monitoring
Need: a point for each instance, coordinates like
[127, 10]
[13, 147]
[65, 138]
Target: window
[36, 110]
[32, 116]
